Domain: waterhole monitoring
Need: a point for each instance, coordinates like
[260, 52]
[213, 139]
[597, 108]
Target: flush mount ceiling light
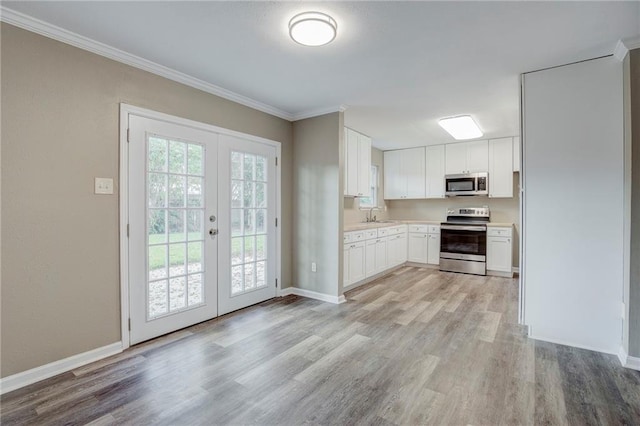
[461, 127]
[313, 28]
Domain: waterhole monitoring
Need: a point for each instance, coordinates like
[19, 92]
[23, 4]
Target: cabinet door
[413, 167]
[395, 184]
[356, 262]
[434, 171]
[351, 163]
[381, 255]
[477, 156]
[455, 158]
[433, 249]
[499, 254]
[345, 269]
[370, 258]
[501, 168]
[516, 154]
[417, 248]
[364, 166]
[402, 249]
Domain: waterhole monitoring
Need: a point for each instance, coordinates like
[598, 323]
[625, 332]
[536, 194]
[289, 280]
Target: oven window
[463, 242]
[462, 184]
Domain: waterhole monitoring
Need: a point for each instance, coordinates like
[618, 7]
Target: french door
[202, 235]
[247, 245]
[172, 198]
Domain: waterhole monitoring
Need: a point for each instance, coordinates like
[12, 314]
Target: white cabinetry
[501, 168]
[467, 157]
[424, 244]
[434, 171]
[418, 247]
[380, 255]
[433, 243]
[397, 249]
[404, 174]
[499, 250]
[357, 161]
[373, 251]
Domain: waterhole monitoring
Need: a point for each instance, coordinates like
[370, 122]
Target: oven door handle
[463, 228]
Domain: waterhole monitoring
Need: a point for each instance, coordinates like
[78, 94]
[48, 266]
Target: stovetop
[468, 216]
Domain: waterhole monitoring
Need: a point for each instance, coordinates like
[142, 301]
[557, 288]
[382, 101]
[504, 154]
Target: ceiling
[397, 66]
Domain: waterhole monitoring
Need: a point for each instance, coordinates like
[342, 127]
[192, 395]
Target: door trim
[125, 111]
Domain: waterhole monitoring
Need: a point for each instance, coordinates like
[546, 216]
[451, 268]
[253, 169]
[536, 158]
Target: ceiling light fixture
[313, 28]
[461, 127]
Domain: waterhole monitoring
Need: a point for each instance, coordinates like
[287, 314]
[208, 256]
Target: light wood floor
[416, 347]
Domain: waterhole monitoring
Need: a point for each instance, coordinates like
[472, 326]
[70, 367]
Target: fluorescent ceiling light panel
[313, 28]
[461, 128]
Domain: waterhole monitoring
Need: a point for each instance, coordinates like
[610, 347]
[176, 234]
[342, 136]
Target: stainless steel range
[463, 240]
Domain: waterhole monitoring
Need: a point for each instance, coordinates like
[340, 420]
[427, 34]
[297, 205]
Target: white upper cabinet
[516, 154]
[467, 157]
[357, 164]
[404, 174]
[435, 171]
[501, 168]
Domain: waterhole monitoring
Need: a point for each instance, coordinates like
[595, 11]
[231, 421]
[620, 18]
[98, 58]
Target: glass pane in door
[175, 248]
[248, 222]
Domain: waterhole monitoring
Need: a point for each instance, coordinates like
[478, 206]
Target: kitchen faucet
[369, 217]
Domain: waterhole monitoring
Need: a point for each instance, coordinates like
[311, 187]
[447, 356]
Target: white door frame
[125, 111]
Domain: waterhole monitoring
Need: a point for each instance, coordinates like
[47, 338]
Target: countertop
[375, 225]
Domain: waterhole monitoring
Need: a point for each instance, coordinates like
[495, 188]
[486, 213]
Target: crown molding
[318, 112]
[624, 46]
[60, 34]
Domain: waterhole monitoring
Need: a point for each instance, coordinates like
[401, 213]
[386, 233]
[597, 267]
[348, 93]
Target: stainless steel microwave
[467, 184]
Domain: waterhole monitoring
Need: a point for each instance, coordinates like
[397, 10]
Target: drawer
[401, 229]
[370, 234]
[395, 230]
[350, 237]
[383, 232]
[420, 228]
[434, 229]
[498, 232]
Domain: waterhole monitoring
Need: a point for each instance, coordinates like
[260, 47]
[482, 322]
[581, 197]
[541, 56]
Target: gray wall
[60, 113]
[318, 203]
[573, 234]
[634, 290]
[502, 210]
[352, 212]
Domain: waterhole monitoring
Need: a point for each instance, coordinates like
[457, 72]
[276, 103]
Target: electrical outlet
[103, 186]
[314, 267]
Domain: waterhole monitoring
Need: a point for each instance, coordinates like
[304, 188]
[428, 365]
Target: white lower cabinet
[424, 244]
[354, 262]
[370, 258]
[499, 250]
[381, 255]
[397, 250]
[418, 247]
[373, 251]
[433, 251]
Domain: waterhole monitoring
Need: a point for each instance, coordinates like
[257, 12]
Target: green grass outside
[176, 253]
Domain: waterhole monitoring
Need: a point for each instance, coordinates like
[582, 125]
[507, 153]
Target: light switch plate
[103, 186]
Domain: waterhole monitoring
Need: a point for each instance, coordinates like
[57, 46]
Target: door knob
[213, 232]
[212, 218]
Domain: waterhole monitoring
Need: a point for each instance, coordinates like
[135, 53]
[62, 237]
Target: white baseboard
[16, 381]
[628, 361]
[515, 270]
[572, 344]
[313, 295]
